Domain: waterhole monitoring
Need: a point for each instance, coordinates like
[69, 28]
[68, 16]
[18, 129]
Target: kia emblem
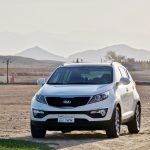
[66, 101]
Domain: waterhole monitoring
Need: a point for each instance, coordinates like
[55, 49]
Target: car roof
[89, 64]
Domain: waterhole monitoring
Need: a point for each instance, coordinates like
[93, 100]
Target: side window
[118, 74]
[124, 73]
[128, 74]
[130, 77]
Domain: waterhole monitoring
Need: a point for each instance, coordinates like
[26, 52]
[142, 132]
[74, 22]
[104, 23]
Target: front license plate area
[66, 119]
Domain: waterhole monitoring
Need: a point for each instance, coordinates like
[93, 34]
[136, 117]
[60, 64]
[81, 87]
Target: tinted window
[82, 75]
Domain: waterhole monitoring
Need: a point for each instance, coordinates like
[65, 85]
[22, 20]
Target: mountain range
[39, 54]
[87, 55]
[97, 55]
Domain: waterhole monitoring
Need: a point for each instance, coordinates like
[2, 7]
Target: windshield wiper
[55, 83]
[78, 83]
[72, 83]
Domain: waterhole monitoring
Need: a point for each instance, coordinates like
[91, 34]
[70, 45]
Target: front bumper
[100, 113]
[79, 124]
[84, 120]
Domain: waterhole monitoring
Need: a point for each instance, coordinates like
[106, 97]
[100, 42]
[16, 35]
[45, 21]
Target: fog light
[38, 113]
[102, 112]
[98, 113]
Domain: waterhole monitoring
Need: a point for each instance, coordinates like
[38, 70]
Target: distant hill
[23, 62]
[39, 54]
[96, 55]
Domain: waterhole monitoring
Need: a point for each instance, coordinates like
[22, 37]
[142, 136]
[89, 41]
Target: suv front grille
[67, 102]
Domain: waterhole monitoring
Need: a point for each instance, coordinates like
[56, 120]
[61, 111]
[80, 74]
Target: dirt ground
[15, 114]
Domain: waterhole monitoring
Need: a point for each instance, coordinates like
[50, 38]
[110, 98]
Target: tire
[134, 125]
[114, 130]
[37, 132]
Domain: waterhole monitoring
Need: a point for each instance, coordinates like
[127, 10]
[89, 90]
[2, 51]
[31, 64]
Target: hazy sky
[67, 26]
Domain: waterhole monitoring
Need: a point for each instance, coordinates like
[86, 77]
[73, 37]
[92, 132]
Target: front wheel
[114, 130]
[134, 125]
[37, 132]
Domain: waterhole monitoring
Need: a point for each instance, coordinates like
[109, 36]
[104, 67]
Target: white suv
[86, 97]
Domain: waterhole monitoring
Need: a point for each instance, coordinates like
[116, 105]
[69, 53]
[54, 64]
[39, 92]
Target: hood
[73, 90]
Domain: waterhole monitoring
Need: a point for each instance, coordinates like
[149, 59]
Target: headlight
[40, 98]
[99, 97]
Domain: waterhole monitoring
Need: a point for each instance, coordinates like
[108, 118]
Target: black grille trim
[74, 101]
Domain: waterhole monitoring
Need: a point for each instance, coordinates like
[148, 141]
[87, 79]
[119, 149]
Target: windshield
[82, 75]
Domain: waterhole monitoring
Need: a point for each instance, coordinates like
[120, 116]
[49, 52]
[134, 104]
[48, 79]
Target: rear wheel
[37, 132]
[114, 130]
[134, 125]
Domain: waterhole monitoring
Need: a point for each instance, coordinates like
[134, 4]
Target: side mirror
[124, 81]
[41, 81]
